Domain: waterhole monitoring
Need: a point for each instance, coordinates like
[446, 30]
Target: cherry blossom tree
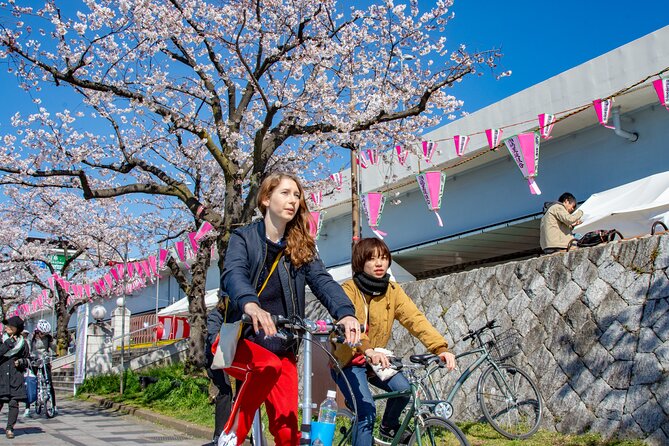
[198, 100]
[42, 222]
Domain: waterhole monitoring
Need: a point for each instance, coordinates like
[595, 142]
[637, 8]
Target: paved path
[82, 423]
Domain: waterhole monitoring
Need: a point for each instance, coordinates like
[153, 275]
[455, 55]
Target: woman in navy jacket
[267, 266]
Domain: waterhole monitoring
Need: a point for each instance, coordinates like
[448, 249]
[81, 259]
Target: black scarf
[371, 285]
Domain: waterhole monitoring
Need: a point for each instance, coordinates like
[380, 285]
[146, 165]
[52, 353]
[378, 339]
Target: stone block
[615, 275]
[555, 273]
[585, 337]
[535, 336]
[570, 363]
[596, 293]
[636, 397]
[597, 360]
[584, 274]
[578, 315]
[648, 341]
[550, 381]
[605, 427]
[474, 309]
[496, 306]
[600, 254]
[647, 250]
[570, 293]
[582, 381]
[661, 392]
[637, 292]
[612, 335]
[625, 349]
[653, 310]
[609, 309]
[577, 420]
[455, 311]
[647, 369]
[649, 416]
[490, 291]
[629, 429]
[612, 405]
[618, 374]
[659, 285]
[661, 327]
[657, 438]
[563, 400]
[594, 395]
[517, 305]
[662, 354]
[662, 258]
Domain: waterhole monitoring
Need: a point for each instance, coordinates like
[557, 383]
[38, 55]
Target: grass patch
[186, 397]
[482, 434]
[175, 394]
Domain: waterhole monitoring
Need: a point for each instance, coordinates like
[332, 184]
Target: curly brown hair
[300, 245]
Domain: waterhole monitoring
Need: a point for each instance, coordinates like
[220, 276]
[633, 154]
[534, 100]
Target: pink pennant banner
[108, 280]
[494, 137]
[546, 123]
[145, 267]
[524, 149]
[193, 243]
[402, 155]
[372, 204]
[662, 89]
[51, 281]
[181, 250]
[337, 179]
[114, 273]
[317, 198]
[432, 185]
[429, 147]
[97, 288]
[130, 269]
[315, 223]
[162, 257]
[603, 110]
[120, 268]
[152, 262]
[363, 162]
[66, 286]
[87, 290]
[460, 144]
[203, 230]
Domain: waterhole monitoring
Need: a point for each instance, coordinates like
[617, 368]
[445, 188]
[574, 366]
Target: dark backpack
[594, 238]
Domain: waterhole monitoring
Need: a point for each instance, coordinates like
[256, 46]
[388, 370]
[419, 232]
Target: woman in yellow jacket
[379, 302]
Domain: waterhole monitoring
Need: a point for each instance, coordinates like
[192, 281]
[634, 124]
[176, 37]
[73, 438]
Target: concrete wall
[595, 327]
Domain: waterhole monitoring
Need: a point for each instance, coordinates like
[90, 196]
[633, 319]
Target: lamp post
[120, 303]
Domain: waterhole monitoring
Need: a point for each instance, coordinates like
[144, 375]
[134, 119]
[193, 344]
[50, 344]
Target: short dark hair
[365, 249]
[567, 197]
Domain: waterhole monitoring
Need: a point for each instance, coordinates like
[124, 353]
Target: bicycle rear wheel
[49, 409]
[510, 401]
[436, 431]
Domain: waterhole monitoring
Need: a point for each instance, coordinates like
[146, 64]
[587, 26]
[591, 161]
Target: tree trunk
[62, 320]
[197, 309]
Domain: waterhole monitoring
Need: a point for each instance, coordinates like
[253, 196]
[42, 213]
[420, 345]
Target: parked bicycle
[45, 398]
[419, 417]
[508, 397]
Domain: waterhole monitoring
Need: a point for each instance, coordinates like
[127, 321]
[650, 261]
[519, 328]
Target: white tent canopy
[339, 273]
[631, 208]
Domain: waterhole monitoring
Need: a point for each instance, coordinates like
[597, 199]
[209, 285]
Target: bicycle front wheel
[510, 401]
[49, 409]
[436, 431]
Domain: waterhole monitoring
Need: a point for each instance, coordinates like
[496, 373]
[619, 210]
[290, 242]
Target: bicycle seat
[423, 359]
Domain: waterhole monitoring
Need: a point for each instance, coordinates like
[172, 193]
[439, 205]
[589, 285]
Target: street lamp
[120, 303]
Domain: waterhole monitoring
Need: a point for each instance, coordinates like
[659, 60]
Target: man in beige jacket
[556, 224]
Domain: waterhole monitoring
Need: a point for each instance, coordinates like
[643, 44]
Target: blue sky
[542, 39]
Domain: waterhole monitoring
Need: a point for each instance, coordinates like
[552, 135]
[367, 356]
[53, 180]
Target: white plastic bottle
[328, 409]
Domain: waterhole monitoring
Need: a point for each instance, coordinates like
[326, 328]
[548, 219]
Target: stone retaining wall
[595, 326]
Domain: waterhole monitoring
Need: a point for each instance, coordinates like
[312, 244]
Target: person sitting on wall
[556, 224]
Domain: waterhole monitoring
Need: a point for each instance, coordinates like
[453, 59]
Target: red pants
[266, 379]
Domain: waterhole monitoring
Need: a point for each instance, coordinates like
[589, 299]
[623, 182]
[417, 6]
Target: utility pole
[355, 198]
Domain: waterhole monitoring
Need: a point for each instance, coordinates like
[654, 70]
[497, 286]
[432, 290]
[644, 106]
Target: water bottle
[328, 409]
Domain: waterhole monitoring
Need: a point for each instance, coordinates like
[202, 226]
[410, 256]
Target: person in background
[556, 224]
[26, 338]
[379, 302]
[13, 362]
[43, 347]
[268, 264]
[219, 378]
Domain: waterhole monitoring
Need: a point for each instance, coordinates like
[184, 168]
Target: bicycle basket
[506, 345]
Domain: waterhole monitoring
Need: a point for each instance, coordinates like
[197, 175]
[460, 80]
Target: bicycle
[428, 429]
[45, 399]
[508, 397]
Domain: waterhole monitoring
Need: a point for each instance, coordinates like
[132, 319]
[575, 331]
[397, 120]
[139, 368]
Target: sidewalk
[89, 423]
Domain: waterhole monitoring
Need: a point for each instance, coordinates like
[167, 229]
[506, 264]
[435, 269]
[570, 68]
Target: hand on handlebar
[376, 357]
[351, 330]
[449, 359]
[261, 319]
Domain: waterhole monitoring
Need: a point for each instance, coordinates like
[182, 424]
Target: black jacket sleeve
[328, 292]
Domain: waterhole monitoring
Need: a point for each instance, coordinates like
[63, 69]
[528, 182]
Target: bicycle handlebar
[318, 327]
[476, 333]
